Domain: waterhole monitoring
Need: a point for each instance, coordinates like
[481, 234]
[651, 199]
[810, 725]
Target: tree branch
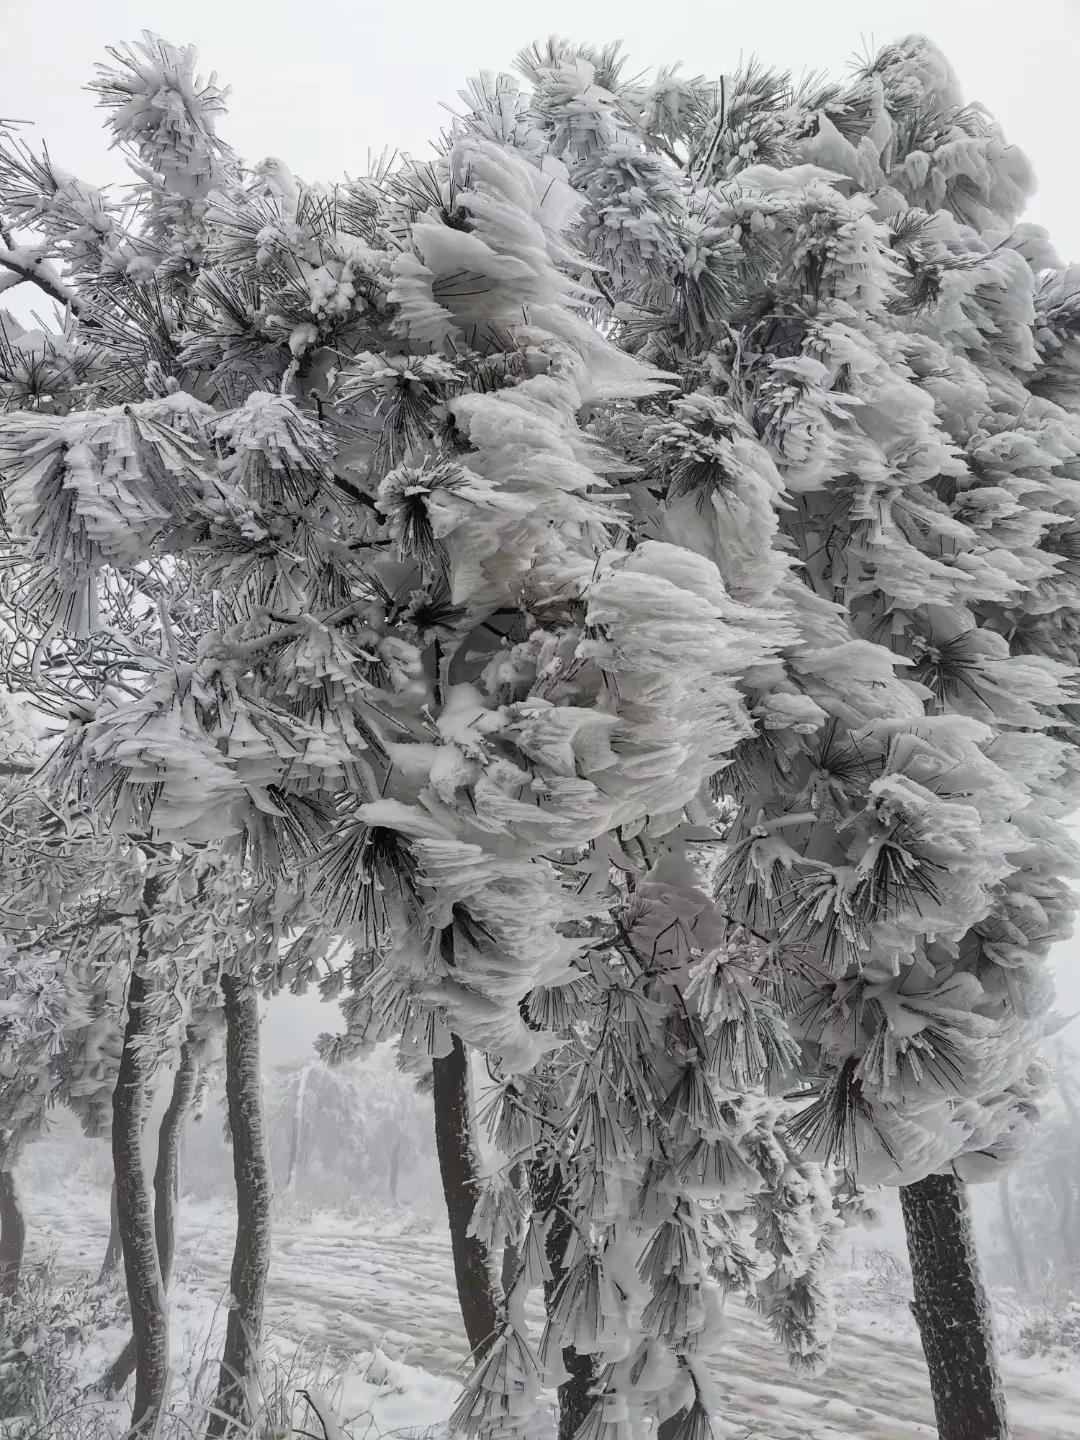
[36, 270]
[15, 767]
[601, 284]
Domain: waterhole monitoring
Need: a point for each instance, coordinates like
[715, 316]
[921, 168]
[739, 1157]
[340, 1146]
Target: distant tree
[345, 1132]
[1039, 1211]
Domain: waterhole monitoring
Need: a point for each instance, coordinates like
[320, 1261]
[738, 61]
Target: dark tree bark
[166, 1189]
[12, 1235]
[167, 1169]
[114, 1251]
[952, 1311]
[146, 1293]
[251, 1172]
[575, 1394]
[511, 1260]
[458, 1166]
[669, 1428]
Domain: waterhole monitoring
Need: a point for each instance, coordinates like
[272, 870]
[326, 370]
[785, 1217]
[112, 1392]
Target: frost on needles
[618, 576]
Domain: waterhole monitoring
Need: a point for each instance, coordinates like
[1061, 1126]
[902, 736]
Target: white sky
[319, 83]
[323, 82]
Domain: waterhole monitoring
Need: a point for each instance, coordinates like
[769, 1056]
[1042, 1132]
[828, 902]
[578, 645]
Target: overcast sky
[322, 84]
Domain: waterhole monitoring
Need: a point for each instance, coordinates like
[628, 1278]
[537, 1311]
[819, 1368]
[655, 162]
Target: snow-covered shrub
[887, 1274]
[44, 1333]
[876, 1291]
[1054, 1333]
[298, 1395]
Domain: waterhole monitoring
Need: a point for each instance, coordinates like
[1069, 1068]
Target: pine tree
[403, 604]
[617, 576]
[838, 269]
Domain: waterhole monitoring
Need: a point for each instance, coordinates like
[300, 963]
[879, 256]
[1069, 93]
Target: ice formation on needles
[620, 575]
[838, 270]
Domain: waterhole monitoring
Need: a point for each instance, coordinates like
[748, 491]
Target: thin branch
[602, 285]
[36, 270]
[13, 767]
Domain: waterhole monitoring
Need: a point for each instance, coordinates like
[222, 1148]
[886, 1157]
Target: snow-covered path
[350, 1287]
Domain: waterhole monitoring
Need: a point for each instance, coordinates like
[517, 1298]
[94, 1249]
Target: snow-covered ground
[384, 1288]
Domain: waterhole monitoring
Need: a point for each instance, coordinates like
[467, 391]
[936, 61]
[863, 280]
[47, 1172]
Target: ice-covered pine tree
[134, 267]
[99, 997]
[51, 873]
[414, 627]
[837, 269]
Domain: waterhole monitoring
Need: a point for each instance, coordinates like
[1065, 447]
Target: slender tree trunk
[297, 1128]
[1066, 1225]
[458, 1166]
[146, 1293]
[1070, 1181]
[166, 1188]
[114, 1251]
[575, 1394]
[395, 1169]
[167, 1169]
[1012, 1234]
[12, 1235]
[251, 1171]
[511, 1259]
[952, 1311]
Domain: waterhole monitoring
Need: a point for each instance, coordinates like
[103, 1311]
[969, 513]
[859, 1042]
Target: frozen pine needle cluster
[607, 593]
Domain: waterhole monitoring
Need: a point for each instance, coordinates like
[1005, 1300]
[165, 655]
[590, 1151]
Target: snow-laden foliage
[404, 651]
[838, 277]
[879, 322]
[41, 1333]
[619, 576]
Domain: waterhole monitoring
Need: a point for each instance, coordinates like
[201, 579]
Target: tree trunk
[166, 1188]
[1012, 1234]
[395, 1169]
[459, 1166]
[952, 1311]
[511, 1259]
[167, 1169]
[12, 1235]
[251, 1254]
[575, 1394]
[146, 1293]
[114, 1250]
[297, 1129]
[1066, 1227]
[1070, 1182]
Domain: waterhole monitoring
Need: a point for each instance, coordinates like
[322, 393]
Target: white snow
[376, 1296]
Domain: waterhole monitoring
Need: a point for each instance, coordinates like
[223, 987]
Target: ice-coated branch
[25, 263]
